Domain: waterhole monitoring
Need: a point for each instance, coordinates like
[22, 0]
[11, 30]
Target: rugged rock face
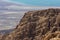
[37, 25]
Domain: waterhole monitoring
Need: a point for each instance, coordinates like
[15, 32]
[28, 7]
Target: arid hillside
[37, 25]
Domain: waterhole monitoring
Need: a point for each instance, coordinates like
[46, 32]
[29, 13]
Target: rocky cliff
[37, 25]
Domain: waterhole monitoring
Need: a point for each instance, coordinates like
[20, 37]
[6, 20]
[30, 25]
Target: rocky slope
[37, 25]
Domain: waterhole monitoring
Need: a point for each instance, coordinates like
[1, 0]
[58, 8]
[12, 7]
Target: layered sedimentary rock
[37, 25]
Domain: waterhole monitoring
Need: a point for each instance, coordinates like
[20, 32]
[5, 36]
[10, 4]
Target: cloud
[13, 2]
[5, 0]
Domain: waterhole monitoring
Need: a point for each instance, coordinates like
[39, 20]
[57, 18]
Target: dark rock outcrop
[37, 25]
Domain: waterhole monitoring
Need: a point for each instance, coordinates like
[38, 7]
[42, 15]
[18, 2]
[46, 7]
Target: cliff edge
[37, 25]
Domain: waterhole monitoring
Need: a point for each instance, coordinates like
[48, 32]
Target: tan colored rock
[37, 25]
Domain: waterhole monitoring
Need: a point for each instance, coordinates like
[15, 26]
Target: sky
[37, 2]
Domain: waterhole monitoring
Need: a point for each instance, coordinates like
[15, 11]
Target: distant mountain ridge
[6, 31]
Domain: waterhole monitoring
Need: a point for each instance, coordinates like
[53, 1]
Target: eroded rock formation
[37, 25]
